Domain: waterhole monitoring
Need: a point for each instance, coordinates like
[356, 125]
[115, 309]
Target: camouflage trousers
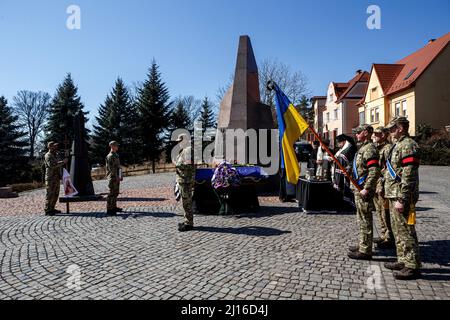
[365, 223]
[405, 235]
[111, 202]
[187, 192]
[382, 209]
[52, 194]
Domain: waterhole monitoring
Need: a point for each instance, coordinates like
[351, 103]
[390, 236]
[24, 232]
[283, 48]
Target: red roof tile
[360, 77]
[339, 88]
[415, 64]
[387, 73]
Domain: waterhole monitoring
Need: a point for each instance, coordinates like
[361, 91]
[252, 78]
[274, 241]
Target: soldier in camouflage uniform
[366, 171]
[53, 175]
[114, 178]
[402, 190]
[186, 180]
[386, 240]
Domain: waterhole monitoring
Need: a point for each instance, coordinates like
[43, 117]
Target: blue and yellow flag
[292, 126]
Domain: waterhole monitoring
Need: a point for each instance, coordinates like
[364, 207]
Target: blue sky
[195, 41]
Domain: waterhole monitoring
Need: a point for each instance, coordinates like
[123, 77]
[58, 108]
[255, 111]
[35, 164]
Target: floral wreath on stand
[225, 176]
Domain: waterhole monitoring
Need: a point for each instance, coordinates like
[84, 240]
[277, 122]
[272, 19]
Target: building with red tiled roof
[340, 114]
[318, 104]
[417, 86]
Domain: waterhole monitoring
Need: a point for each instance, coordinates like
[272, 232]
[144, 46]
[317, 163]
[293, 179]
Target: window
[335, 114]
[362, 118]
[404, 108]
[372, 115]
[377, 114]
[328, 117]
[330, 98]
[374, 93]
[410, 74]
[397, 109]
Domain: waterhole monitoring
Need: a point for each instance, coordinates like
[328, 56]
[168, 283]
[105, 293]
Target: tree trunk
[31, 148]
[153, 166]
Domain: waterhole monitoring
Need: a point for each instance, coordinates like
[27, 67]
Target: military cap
[52, 144]
[396, 121]
[362, 128]
[380, 129]
[113, 143]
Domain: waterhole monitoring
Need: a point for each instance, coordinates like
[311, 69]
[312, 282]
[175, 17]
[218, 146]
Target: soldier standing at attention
[386, 240]
[186, 180]
[114, 178]
[53, 175]
[402, 190]
[366, 171]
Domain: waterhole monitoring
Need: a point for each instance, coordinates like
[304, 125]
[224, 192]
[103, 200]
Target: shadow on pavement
[436, 252]
[428, 192]
[423, 209]
[436, 274]
[140, 199]
[337, 213]
[123, 215]
[267, 211]
[249, 231]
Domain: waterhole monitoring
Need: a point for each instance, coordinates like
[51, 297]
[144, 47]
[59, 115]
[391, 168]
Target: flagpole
[271, 85]
[335, 159]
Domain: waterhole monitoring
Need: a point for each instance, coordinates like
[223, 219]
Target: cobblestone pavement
[278, 253]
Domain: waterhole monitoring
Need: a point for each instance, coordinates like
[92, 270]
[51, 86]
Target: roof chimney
[431, 41]
[358, 71]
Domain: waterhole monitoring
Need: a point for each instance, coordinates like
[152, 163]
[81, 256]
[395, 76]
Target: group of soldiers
[387, 175]
[185, 180]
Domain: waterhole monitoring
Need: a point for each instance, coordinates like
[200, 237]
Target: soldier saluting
[53, 175]
[114, 177]
[366, 171]
[402, 189]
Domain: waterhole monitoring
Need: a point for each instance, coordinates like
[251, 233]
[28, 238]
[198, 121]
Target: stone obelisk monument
[80, 170]
[241, 107]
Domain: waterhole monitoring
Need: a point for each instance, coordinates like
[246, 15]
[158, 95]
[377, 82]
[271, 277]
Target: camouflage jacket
[404, 159]
[184, 166]
[366, 164]
[383, 150]
[53, 169]
[112, 166]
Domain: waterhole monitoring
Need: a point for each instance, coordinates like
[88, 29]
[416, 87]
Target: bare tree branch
[32, 109]
[293, 83]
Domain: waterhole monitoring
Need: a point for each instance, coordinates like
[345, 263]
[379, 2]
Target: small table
[316, 195]
[68, 200]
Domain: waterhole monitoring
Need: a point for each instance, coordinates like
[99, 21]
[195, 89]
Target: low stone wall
[6, 192]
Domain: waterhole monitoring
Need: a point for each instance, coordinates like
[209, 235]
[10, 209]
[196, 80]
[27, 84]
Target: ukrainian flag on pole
[292, 126]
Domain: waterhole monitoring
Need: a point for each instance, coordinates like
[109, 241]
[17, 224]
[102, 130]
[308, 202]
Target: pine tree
[154, 114]
[180, 119]
[116, 121]
[207, 114]
[65, 104]
[302, 107]
[13, 152]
